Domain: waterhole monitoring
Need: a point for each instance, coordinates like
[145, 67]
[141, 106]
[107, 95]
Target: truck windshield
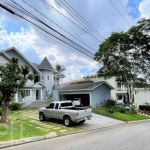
[66, 104]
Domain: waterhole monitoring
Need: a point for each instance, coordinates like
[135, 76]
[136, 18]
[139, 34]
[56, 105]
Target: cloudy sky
[105, 16]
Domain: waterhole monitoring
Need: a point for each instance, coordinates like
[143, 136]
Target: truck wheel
[41, 117]
[82, 121]
[67, 121]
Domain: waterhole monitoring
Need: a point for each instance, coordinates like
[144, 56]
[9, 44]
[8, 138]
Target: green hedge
[15, 106]
[144, 107]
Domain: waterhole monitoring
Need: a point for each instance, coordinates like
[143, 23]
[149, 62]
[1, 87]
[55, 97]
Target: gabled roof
[17, 51]
[84, 86]
[45, 64]
[38, 83]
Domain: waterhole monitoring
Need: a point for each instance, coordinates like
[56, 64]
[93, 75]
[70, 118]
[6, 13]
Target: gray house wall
[99, 94]
[47, 83]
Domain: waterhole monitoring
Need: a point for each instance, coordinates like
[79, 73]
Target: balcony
[121, 89]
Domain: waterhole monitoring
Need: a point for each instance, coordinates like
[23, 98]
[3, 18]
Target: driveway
[99, 121]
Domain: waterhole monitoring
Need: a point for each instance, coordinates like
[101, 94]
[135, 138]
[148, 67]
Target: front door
[37, 94]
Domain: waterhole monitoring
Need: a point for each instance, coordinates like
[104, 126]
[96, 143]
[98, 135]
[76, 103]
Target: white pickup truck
[64, 110]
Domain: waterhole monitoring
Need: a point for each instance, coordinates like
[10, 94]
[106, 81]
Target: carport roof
[84, 86]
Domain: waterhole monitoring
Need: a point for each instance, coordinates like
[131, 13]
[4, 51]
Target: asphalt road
[135, 136]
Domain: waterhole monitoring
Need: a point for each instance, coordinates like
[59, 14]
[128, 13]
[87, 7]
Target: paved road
[135, 136]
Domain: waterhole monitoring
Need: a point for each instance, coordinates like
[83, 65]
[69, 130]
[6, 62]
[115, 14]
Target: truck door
[55, 111]
[50, 110]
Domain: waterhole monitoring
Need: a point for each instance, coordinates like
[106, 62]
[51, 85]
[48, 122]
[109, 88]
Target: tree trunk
[130, 90]
[4, 118]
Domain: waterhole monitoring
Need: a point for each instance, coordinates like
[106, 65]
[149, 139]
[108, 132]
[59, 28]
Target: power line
[57, 25]
[82, 18]
[126, 10]
[75, 46]
[119, 13]
[86, 25]
[37, 29]
[71, 21]
[135, 6]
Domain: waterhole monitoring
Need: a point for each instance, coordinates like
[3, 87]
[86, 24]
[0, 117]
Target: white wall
[143, 96]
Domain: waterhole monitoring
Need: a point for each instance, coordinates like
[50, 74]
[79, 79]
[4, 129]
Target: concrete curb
[26, 140]
[139, 121]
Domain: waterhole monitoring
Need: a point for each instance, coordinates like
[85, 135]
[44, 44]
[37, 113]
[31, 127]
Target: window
[56, 106]
[25, 93]
[48, 77]
[42, 77]
[120, 97]
[51, 106]
[66, 104]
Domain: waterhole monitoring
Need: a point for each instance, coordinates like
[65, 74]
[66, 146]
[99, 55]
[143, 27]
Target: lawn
[25, 123]
[120, 116]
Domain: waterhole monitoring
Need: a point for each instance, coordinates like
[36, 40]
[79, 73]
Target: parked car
[77, 102]
[66, 111]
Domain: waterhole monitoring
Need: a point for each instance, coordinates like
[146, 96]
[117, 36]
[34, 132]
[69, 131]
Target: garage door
[85, 98]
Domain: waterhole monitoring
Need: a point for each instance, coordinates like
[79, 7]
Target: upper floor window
[47, 77]
[42, 77]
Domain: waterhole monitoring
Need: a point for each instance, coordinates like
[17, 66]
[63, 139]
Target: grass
[25, 123]
[120, 116]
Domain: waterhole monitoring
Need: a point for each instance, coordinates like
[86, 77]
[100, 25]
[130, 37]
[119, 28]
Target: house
[91, 93]
[45, 77]
[141, 95]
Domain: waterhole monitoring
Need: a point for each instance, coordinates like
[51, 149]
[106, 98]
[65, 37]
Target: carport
[91, 94]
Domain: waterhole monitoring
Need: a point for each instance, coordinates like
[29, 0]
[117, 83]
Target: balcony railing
[121, 89]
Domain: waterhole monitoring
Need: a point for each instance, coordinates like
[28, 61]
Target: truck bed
[74, 108]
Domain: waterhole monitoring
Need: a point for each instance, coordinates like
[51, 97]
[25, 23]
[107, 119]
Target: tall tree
[60, 68]
[13, 78]
[127, 56]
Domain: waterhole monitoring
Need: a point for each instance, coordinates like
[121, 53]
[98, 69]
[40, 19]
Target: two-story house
[45, 77]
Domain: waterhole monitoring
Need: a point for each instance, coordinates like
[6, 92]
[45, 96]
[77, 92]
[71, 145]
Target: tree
[126, 55]
[13, 78]
[60, 68]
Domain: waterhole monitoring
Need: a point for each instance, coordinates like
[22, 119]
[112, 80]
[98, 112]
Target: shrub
[133, 110]
[110, 109]
[122, 110]
[15, 106]
[109, 102]
[144, 107]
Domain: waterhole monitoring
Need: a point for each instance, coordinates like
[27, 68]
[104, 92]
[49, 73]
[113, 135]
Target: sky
[105, 16]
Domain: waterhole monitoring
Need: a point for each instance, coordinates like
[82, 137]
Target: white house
[45, 76]
[141, 95]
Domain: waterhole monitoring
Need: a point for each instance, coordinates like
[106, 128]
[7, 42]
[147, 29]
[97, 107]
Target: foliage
[13, 78]
[60, 68]
[15, 106]
[144, 107]
[110, 109]
[126, 56]
[133, 110]
[120, 116]
[109, 102]
[122, 110]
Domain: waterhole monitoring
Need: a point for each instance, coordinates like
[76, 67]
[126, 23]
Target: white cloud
[144, 8]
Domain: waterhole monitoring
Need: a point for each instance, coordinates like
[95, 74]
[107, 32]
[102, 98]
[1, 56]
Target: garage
[92, 94]
[85, 98]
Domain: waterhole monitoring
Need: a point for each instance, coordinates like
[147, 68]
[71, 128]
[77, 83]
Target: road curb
[144, 120]
[26, 140]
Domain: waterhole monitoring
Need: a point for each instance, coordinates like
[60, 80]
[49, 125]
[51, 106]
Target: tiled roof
[45, 64]
[84, 86]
